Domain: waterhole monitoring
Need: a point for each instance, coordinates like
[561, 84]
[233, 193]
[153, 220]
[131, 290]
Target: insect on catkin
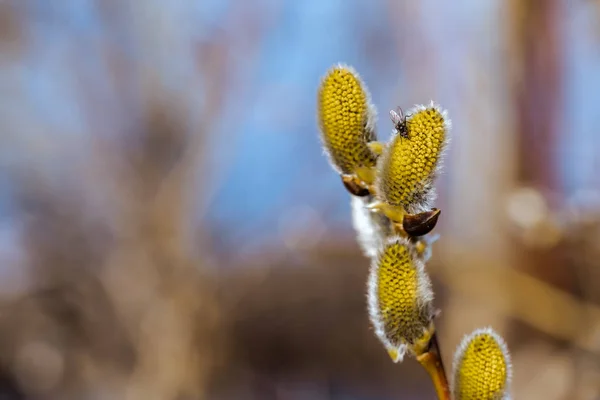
[482, 368]
[400, 298]
[346, 120]
[412, 158]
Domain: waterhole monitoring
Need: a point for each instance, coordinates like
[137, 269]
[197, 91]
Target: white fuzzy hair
[462, 347]
[371, 228]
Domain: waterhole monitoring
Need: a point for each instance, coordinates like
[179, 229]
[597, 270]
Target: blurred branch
[12, 34]
[535, 37]
[525, 298]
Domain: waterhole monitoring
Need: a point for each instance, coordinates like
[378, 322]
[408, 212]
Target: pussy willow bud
[408, 166]
[420, 224]
[353, 187]
[400, 299]
[347, 122]
[482, 369]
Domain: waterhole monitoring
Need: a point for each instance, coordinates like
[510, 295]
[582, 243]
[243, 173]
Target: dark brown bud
[422, 223]
[354, 187]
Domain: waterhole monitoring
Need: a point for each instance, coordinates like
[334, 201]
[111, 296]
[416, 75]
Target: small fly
[399, 120]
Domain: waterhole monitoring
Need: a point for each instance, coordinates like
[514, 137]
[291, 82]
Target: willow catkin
[409, 164]
[400, 298]
[482, 368]
[346, 120]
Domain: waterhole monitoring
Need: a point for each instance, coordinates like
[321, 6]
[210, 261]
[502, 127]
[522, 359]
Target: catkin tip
[482, 367]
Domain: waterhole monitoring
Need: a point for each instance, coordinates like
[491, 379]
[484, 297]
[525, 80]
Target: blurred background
[170, 228]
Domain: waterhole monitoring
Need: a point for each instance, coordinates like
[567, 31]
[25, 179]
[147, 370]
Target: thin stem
[432, 362]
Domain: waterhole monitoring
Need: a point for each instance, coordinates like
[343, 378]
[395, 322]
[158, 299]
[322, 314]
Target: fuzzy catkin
[482, 368]
[409, 164]
[346, 119]
[400, 297]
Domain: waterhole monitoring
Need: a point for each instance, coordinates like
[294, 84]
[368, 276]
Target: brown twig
[432, 362]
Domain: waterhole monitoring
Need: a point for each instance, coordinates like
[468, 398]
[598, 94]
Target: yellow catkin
[481, 367]
[346, 120]
[399, 297]
[409, 164]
